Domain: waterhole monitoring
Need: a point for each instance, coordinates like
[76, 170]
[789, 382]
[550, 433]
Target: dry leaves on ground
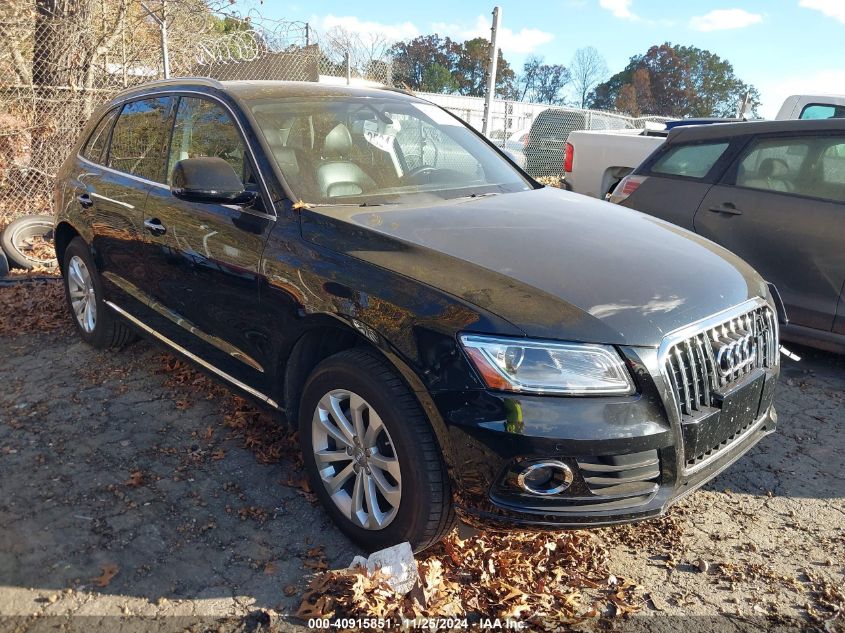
[548, 580]
[260, 431]
[37, 306]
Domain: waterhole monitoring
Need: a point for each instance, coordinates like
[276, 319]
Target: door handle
[85, 201]
[154, 226]
[727, 208]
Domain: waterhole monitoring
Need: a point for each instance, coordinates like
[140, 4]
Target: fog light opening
[545, 478]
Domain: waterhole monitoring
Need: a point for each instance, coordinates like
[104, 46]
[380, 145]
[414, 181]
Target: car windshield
[371, 151]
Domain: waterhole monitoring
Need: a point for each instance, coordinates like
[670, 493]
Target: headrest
[273, 136]
[287, 161]
[338, 142]
[773, 168]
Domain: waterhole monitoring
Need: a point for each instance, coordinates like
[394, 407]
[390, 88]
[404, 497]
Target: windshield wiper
[314, 205]
[475, 196]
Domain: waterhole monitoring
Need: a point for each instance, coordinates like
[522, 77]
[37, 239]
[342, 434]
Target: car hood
[555, 264]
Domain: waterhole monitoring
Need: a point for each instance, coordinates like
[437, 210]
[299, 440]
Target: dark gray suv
[773, 192]
[447, 335]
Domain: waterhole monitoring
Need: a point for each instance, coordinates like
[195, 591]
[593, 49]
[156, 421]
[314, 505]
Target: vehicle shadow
[805, 458]
[116, 484]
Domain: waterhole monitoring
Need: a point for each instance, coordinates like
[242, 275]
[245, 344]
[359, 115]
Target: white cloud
[522, 42]
[393, 32]
[724, 19]
[619, 8]
[831, 8]
[775, 90]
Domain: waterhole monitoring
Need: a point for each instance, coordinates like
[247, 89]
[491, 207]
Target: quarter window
[204, 129]
[99, 137]
[690, 161]
[138, 138]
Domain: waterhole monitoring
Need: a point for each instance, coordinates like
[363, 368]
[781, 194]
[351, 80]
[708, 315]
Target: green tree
[466, 63]
[470, 69]
[411, 59]
[437, 78]
[675, 81]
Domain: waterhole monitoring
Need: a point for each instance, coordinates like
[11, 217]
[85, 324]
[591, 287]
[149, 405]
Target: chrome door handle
[726, 208]
[154, 226]
[85, 201]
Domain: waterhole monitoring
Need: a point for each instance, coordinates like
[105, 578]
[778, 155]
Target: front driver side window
[203, 129]
[138, 138]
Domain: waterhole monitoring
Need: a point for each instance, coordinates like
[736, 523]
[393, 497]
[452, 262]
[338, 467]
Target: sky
[782, 47]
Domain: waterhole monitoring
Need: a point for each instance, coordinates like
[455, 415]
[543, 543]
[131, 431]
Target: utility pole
[162, 26]
[491, 72]
[348, 69]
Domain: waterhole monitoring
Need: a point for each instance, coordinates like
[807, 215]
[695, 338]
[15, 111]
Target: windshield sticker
[441, 117]
[384, 142]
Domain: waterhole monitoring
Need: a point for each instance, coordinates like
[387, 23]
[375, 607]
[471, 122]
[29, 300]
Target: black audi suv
[450, 338]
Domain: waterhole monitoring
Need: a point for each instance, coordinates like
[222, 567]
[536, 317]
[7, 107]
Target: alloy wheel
[356, 459]
[83, 298]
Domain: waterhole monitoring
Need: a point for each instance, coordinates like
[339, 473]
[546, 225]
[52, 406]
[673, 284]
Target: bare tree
[588, 69]
[365, 50]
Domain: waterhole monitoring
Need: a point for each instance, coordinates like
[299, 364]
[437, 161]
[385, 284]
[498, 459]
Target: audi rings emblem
[735, 353]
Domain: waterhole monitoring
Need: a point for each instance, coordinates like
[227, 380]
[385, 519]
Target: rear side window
[203, 128]
[99, 137]
[807, 166]
[817, 111]
[139, 137]
[690, 161]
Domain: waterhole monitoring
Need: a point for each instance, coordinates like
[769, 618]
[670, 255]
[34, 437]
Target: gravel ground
[123, 497]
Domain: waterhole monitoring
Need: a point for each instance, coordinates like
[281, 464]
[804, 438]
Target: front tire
[371, 455]
[96, 323]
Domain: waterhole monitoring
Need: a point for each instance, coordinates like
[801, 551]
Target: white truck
[596, 161]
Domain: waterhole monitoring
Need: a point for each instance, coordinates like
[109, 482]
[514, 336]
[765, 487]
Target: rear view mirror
[208, 180]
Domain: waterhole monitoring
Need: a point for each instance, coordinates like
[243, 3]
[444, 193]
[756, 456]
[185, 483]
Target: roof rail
[174, 81]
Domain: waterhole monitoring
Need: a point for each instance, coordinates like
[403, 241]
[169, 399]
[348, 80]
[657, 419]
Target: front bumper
[627, 453]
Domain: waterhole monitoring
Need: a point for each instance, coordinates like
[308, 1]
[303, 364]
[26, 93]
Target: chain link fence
[59, 60]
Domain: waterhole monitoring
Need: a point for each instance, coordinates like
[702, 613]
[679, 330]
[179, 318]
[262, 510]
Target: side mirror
[208, 180]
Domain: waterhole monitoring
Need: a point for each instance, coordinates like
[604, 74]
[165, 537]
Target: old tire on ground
[15, 241]
[96, 323]
[4, 264]
[379, 472]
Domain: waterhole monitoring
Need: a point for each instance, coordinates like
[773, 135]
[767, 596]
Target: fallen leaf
[136, 478]
[109, 571]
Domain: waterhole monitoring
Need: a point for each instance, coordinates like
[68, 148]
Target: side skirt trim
[193, 357]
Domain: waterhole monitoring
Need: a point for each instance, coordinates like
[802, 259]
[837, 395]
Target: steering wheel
[421, 170]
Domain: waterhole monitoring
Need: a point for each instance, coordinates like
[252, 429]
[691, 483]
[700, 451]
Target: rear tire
[96, 323]
[388, 451]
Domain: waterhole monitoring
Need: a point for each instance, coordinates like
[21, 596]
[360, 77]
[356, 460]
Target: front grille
[718, 356]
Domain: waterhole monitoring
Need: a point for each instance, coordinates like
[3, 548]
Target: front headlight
[575, 369]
